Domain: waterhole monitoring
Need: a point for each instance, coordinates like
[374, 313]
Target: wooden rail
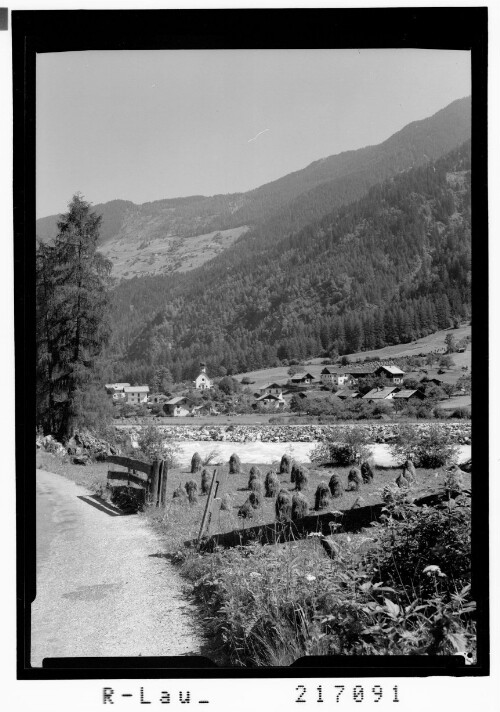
[155, 482]
[130, 464]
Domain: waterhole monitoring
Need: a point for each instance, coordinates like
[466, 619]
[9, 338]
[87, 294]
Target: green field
[433, 342]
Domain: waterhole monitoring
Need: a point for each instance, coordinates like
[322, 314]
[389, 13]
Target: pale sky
[146, 125]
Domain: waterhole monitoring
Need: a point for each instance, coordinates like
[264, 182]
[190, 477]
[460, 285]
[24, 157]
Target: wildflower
[310, 577]
[433, 569]
[315, 534]
[255, 574]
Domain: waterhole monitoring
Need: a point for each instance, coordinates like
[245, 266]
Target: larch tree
[72, 318]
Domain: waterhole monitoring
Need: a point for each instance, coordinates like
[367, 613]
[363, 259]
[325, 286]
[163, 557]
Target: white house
[136, 394]
[179, 406]
[202, 382]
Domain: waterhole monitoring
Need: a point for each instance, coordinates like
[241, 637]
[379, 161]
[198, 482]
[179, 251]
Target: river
[269, 452]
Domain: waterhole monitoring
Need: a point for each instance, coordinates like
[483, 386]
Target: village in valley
[435, 383]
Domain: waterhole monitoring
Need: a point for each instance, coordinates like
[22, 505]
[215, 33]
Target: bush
[422, 537]
[462, 413]
[153, 445]
[401, 596]
[234, 464]
[431, 447]
[195, 463]
[226, 502]
[344, 447]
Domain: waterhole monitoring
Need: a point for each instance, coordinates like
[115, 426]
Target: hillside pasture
[427, 344]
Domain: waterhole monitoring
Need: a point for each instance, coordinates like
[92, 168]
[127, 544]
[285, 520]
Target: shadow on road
[105, 507]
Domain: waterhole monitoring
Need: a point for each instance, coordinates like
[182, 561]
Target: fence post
[208, 506]
[155, 473]
[163, 486]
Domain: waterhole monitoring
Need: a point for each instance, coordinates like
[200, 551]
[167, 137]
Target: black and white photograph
[252, 325]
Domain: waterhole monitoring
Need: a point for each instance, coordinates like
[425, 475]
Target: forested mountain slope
[158, 237]
[388, 268]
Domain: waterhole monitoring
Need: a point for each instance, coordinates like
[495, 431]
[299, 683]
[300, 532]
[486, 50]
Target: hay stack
[234, 465]
[322, 497]
[354, 480]
[285, 464]
[272, 484]
[195, 463]
[283, 505]
[300, 506]
[335, 486]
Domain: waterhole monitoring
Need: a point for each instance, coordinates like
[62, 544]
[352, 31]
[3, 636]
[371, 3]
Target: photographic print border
[59, 31]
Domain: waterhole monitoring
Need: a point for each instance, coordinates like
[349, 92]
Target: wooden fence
[154, 484]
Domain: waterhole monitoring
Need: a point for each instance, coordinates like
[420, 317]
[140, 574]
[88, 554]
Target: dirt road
[102, 589]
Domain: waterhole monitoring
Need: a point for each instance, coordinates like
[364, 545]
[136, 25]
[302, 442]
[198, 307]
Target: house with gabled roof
[391, 372]
[407, 394]
[380, 394]
[179, 406]
[345, 393]
[272, 388]
[268, 400]
[136, 395]
[302, 379]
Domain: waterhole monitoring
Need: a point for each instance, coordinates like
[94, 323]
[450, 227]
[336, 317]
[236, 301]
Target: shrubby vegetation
[430, 448]
[403, 588]
[344, 446]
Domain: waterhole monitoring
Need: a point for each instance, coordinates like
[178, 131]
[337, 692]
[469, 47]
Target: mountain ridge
[159, 237]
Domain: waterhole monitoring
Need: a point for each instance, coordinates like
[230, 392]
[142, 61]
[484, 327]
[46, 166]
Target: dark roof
[177, 399]
[379, 393]
[405, 393]
[301, 376]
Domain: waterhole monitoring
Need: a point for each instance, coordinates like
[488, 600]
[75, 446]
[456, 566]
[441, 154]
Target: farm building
[273, 389]
[407, 395]
[116, 387]
[345, 393]
[136, 394]
[329, 376]
[380, 394]
[392, 373]
[302, 379]
[179, 406]
[157, 398]
[202, 382]
[268, 400]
